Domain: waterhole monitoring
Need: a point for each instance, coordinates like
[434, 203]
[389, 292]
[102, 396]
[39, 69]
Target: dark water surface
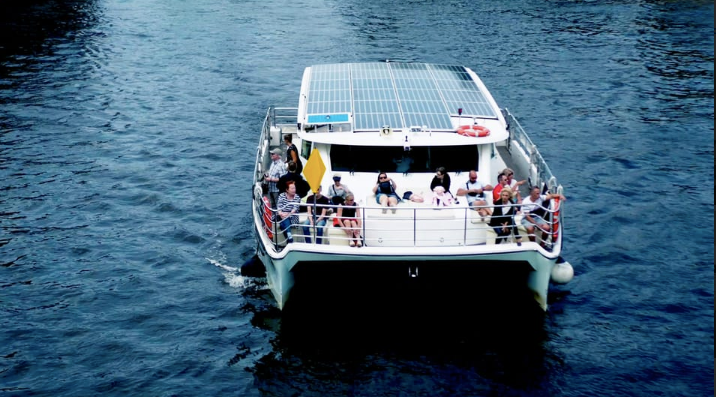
[127, 133]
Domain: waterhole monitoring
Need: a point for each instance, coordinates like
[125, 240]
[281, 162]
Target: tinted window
[395, 159]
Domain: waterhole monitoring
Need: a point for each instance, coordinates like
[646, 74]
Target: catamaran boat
[404, 120]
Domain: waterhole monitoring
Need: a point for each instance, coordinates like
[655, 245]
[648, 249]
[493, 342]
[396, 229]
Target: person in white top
[535, 212]
[513, 183]
[441, 198]
[474, 190]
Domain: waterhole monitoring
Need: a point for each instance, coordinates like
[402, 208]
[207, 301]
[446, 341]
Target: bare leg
[348, 231]
[356, 233]
[531, 232]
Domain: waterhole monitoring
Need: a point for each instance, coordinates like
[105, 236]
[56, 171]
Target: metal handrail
[279, 243]
[543, 174]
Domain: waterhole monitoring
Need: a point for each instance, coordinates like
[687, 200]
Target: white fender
[562, 272]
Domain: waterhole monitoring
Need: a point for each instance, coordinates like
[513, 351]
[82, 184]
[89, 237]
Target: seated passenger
[535, 210]
[503, 217]
[349, 217]
[288, 203]
[501, 183]
[441, 198]
[337, 191]
[441, 178]
[384, 190]
[514, 184]
[474, 190]
[321, 202]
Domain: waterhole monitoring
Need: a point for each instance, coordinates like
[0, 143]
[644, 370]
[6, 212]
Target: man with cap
[337, 192]
[275, 173]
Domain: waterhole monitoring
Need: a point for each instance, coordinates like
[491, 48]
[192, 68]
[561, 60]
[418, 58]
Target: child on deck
[441, 198]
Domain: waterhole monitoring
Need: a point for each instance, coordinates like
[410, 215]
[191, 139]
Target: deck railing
[539, 172]
[409, 227]
[275, 118]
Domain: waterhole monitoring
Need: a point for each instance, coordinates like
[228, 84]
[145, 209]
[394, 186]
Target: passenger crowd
[286, 187]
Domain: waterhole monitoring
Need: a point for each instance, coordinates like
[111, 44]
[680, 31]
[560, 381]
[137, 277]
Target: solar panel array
[399, 95]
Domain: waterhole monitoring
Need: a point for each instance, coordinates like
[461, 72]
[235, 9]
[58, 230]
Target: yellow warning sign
[314, 170]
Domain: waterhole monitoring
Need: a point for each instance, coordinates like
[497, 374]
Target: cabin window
[306, 148]
[395, 159]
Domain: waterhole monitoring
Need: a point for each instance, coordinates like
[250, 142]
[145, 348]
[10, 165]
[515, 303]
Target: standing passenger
[292, 153]
[275, 173]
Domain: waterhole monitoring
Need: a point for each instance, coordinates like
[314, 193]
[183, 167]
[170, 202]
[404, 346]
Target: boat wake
[232, 275]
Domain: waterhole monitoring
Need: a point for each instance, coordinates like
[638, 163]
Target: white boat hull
[406, 120]
[281, 266]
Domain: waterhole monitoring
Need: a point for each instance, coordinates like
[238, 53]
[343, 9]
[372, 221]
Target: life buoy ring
[473, 131]
[555, 219]
[268, 224]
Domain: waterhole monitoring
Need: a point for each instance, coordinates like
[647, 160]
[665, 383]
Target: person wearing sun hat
[338, 191]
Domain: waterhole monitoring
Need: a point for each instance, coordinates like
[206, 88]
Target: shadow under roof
[399, 95]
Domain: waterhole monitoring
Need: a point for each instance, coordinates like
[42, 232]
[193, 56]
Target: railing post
[415, 227]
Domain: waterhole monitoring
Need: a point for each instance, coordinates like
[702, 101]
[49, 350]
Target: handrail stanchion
[415, 227]
[464, 227]
[362, 224]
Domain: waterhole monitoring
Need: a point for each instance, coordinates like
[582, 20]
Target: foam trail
[232, 275]
[222, 266]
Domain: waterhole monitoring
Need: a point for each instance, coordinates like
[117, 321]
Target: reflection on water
[28, 27]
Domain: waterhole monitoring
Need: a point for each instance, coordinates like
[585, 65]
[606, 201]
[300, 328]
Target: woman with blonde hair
[503, 217]
[349, 218]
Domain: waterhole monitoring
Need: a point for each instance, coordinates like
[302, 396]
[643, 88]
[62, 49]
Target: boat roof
[397, 95]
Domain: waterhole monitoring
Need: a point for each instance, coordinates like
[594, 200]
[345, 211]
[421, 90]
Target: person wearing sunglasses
[385, 192]
[513, 183]
[441, 178]
[474, 190]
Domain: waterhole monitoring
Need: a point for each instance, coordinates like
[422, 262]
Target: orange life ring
[268, 224]
[555, 219]
[473, 131]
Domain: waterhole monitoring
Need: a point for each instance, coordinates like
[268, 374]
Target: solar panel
[374, 97]
[399, 95]
[330, 90]
[459, 91]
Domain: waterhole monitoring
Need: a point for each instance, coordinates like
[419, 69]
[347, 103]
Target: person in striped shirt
[288, 206]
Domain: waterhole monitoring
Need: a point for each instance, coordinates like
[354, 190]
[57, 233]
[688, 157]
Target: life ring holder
[268, 224]
[555, 219]
[475, 131]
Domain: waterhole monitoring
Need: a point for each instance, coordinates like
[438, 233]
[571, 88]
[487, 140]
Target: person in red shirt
[501, 183]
